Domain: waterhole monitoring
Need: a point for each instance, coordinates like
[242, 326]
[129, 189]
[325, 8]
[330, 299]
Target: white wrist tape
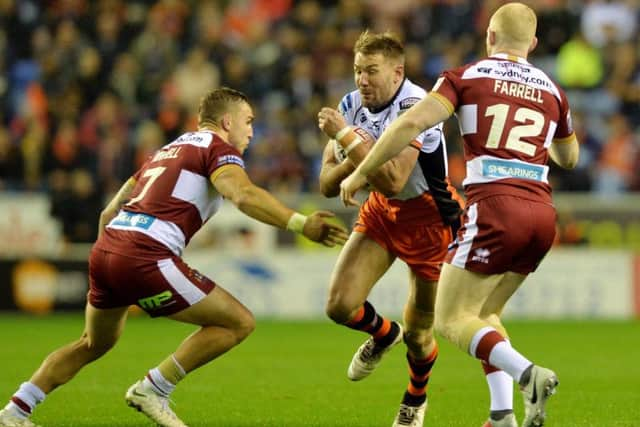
[296, 222]
[342, 132]
[353, 145]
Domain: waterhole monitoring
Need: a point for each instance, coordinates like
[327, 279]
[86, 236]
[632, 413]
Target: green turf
[294, 374]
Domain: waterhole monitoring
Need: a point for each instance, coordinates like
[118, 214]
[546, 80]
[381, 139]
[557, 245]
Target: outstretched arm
[232, 182]
[113, 207]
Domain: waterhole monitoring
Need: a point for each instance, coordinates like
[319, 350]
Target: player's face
[241, 130]
[376, 77]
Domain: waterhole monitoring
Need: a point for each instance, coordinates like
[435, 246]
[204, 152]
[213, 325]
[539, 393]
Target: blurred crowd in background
[88, 89]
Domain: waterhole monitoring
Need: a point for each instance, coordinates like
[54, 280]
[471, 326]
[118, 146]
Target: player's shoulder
[350, 103]
[410, 93]
[202, 139]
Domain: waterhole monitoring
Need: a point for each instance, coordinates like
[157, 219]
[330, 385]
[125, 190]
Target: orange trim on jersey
[222, 168]
[444, 101]
[416, 144]
[565, 140]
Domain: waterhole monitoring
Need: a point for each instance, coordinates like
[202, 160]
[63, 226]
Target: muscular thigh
[360, 264]
[503, 233]
[159, 286]
[463, 293]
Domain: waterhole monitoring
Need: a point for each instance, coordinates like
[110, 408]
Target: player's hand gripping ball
[340, 154]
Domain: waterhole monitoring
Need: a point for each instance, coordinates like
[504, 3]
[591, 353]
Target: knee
[418, 340]
[245, 326]
[338, 310]
[95, 348]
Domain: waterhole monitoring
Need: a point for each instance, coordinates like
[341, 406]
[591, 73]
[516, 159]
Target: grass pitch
[290, 374]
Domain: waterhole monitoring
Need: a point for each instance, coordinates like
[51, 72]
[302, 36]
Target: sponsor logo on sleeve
[230, 159]
[407, 103]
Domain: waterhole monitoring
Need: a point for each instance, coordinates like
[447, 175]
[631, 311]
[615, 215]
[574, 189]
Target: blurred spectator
[157, 53]
[194, 77]
[617, 160]
[579, 65]
[76, 204]
[148, 139]
[11, 163]
[609, 21]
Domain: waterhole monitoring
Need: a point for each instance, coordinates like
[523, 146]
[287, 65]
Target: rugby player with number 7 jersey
[513, 118]
[137, 259]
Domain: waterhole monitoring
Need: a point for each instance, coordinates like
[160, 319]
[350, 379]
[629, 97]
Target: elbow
[329, 189]
[571, 162]
[389, 186]
[393, 190]
[390, 190]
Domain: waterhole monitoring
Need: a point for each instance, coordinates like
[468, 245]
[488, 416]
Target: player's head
[378, 67]
[512, 29]
[227, 111]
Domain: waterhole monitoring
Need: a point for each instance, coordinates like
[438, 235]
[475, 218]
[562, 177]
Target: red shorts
[160, 286]
[411, 229]
[504, 233]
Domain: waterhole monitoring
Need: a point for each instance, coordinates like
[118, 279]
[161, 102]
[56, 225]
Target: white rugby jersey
[432, 140]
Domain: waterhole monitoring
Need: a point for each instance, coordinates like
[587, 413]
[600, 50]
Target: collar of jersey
[393, 98]
[508, 57]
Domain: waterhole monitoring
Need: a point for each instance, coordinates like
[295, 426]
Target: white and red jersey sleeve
[173, 196]
[509, 112]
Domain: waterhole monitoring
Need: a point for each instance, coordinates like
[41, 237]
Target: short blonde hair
[514, 24]
[387, 43]
[217, 103]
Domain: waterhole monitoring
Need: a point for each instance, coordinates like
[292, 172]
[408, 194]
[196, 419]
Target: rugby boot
[369, 355]
[541, 386]
[153, 405]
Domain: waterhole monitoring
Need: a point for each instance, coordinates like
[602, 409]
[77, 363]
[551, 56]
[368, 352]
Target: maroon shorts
[504, 233]
[160, 286]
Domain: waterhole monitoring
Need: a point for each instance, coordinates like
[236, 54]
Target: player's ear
[226, 121]
[534, 43]
[491, 37]
[400, 71]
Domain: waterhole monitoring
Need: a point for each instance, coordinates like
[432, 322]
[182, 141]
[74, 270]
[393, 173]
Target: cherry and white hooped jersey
[509, 113]
[430, 142]
[173, 196]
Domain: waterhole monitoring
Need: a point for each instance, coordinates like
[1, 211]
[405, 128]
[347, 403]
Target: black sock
[411, 400]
